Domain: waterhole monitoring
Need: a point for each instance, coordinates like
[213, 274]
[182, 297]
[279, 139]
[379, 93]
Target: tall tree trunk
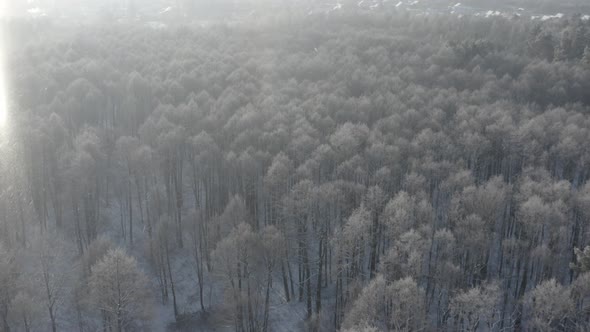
[285, 282]
[50, 296]
[4, 312]
[307, 282]
[171, 282]
[26, 323]
[240, 314]
[130, 206]
[251, 319]
[374, 252]
[177, 181]
[78, 228]
[199, 266]
[21, 216]
[139, 199]
[53, 323]
[318, 297]
[267, 299]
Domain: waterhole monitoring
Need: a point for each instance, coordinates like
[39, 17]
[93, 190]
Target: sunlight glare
[3, 102]
[3, 92]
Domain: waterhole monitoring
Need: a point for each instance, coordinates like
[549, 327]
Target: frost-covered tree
[9, 273]
[407, 310]
[369, 306]
[54, 275]
[120, 292]
[551, 306]
[25, 312]
[233, 257]
[359, 174]
[476, 308]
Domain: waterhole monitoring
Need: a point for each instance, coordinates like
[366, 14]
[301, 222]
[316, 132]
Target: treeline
[540, 6]
[379, 172]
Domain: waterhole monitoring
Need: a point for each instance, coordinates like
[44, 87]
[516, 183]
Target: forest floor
[284, 316]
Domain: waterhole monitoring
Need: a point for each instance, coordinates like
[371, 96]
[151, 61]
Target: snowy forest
[353, 172]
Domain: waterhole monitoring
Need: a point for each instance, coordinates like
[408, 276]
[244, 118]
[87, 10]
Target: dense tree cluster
[372, 172]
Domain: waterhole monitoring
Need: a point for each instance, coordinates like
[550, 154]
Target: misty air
[294, 165]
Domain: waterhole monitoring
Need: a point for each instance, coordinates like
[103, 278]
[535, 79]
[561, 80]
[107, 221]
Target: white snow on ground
[586, 17]
[36, 11]
[549, 17]
[288, 317]
[338, 6]
[156, 25]
[284, 316]
[491, 13]
[399, 4]
[162, 316]
[165, 10]
[414, 2]
[458, 4]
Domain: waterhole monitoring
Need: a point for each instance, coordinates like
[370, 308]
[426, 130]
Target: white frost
[156, 25]
[34, 11]
[165, 10]
[549, 17]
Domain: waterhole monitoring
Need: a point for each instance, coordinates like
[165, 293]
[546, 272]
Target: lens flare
[3, 101]
[3, 88]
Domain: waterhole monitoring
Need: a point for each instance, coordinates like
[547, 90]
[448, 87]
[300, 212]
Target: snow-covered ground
[429, 7]
[163, 11]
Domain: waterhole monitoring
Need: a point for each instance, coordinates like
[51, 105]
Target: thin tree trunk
[307, 282]
[171, 282]
[374, 235]
[318, 298]
[130, 202]
[5, 326]
[285, 282]
[26, 323]
[267, 299]
[22, 223]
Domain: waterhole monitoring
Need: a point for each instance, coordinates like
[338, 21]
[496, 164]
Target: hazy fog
[258, 166]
